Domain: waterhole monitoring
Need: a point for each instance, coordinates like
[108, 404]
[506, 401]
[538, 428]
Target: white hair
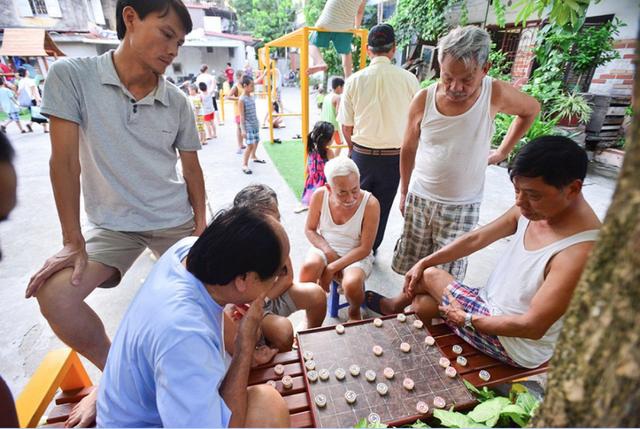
[467, 44]
[339, 167]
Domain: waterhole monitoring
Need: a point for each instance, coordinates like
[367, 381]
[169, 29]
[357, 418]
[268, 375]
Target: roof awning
[28, 42]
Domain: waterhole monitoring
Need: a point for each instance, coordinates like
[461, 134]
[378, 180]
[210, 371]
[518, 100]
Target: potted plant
[570, 109]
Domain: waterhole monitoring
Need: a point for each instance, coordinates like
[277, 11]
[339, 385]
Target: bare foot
[314, 69]
[262, 355]
[83, 414]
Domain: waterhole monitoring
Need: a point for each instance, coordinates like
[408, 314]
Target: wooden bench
[62, 369]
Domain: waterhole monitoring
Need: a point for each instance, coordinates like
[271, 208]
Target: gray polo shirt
[128, 148]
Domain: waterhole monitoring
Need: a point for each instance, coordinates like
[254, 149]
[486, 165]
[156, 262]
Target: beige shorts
[119, 249]
[365, 264]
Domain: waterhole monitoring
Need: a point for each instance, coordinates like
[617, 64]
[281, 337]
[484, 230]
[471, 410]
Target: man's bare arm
[548, 304]
[507, 99]
[65, 180]
[410, 143]
[360, 14]
[347, 132]
[311, 227]
[194, 179]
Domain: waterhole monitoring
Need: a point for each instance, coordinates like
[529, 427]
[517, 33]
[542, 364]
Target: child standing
[330, 107]
[196, 105]
[234, 94]
[9, 105]
[208, 111]
[318, 153]
[249, 124]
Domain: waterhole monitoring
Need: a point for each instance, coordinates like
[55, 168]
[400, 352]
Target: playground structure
[299, 39]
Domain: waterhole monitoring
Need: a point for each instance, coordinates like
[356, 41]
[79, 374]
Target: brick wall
[523, 60]
[616, 77]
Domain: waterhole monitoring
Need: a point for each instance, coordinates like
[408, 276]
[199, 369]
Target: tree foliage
[265, 19]
[425, 19]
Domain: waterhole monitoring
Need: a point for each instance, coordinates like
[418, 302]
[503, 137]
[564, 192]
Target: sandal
[259, 161]
[372, 301]
[246, 170]
[29, 128]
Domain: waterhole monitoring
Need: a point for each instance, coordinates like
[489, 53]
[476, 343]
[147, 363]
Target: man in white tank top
[517, 316]
[337, 16]
[447, 140]
[341, 227]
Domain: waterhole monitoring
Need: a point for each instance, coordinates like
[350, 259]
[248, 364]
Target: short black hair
[257, 196]
[6, 150]
[1, 80]
[145, 7]
[236, 242]
[336, 83]
[202, 86]
[22, 72]
[246, 80]
[229, 64]
[557, 159]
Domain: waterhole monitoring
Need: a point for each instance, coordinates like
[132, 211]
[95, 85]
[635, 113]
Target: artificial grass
[288, 157]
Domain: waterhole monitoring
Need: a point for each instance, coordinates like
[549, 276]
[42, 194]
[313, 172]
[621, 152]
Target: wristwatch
[468, 322]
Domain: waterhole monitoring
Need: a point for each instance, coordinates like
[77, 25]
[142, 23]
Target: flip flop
[247, 171]
[372, 301]
[260, 161]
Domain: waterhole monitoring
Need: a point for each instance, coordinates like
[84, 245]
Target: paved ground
[32, 234]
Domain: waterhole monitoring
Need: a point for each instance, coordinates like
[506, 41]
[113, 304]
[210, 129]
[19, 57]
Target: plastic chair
[334, 300]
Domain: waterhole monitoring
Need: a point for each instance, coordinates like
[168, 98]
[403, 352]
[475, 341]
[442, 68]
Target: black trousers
[380, 175]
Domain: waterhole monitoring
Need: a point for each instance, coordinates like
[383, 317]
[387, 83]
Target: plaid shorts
[14, 116]
[253, 136]
[472, 303]
[429, 226]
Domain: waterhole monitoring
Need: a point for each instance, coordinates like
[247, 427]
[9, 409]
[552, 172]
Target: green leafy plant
[564, 13]
[500, 10]
[427, 82]
[425, 19]
[572, 105]
[265, 19]
[500, 66]
[540, 127]
[363, 423]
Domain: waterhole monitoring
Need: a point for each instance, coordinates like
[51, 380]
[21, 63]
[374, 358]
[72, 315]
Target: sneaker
[3, 129]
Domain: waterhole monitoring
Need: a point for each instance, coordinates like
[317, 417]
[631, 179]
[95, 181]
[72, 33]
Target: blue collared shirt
[166, 362]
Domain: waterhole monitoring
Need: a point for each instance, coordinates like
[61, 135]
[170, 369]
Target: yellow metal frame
[300, 39]
[60, 368]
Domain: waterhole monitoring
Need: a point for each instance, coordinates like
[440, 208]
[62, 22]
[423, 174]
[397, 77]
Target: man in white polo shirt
[373, 113]
[120, 127]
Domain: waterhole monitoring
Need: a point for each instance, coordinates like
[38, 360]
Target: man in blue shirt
[166, 366]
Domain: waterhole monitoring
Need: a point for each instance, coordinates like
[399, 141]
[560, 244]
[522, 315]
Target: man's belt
[369, 151]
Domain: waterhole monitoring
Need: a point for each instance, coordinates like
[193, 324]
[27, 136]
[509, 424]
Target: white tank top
[346, 237]
[514, 282]
[338, 15]
[452, 153]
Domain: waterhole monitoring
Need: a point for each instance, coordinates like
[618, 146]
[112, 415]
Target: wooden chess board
[332, 350]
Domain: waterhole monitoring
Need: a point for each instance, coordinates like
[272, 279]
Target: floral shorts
[472, 303]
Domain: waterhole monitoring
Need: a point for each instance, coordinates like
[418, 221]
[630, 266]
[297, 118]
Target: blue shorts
[253, 136]
[14, 116]
[341, 41]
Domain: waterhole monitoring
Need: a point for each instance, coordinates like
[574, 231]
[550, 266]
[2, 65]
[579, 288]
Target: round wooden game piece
[429, 340]
[457, 349]
[451, 372]
[287, 382]
[484, 375]
[278, 369]
[373, 418]
[320, 400]
[350, 396]
[307, 355]
[340, 373]
[444, 362]
[461, 360]
[377, 322]
[323, 374]
[370, 375]
[312, 376]
[439, 402]
[388, 373]
[354, 370]
[418, 324]
[401, 317]
[382, 389]
[422, 407]
[340, 329]
[408, 383]
[272, 383]
[405, 347]
[377, 350]
[310, 364]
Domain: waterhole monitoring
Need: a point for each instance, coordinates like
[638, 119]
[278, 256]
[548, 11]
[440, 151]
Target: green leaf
[489, 410]
[528, 402]
[518, 414]
[361, 424]
[420, 424]
[485, 393]
[453, 419]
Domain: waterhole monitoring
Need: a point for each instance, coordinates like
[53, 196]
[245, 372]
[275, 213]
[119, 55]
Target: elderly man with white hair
[341, 226]
[446, 150]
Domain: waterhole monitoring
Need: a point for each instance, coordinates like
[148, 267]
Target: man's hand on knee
[412, 279]
[71, 256]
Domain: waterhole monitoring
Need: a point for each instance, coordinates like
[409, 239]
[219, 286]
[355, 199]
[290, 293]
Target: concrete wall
[191, 58]
[75, 16]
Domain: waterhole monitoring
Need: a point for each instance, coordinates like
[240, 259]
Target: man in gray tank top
[517, 316]
[446, 147]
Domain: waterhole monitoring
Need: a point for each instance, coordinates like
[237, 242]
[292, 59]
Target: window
[38, 7]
